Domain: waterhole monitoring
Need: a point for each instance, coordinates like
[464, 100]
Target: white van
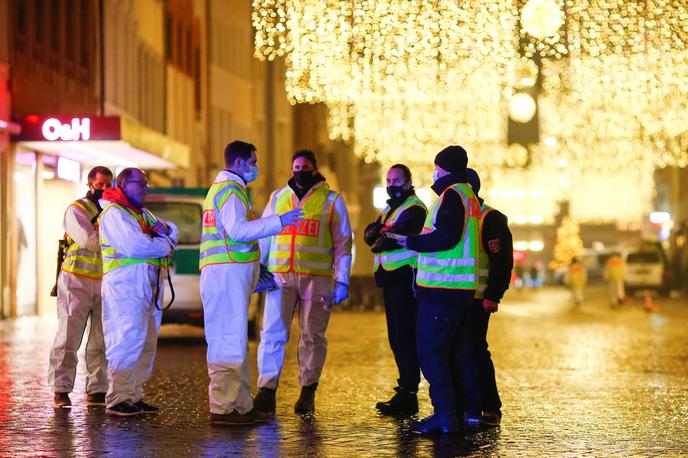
[184, 207]
[645, 269]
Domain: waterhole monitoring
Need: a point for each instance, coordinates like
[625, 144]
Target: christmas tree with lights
[568, 244]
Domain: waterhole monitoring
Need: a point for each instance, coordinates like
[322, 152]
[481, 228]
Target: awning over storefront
[110, 141]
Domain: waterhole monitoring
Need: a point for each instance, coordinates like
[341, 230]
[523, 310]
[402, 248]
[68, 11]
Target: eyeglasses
[140, 182]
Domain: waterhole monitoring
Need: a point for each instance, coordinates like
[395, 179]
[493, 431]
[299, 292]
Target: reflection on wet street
[587, 381]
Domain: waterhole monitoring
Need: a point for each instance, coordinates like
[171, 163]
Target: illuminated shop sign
[68, 128]
[78, 129]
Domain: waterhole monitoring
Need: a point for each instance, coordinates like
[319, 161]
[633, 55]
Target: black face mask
[395, 192]
[303, 177]
[98, 193]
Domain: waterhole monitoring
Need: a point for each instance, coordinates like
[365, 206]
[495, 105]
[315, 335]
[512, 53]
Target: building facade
[161, 85]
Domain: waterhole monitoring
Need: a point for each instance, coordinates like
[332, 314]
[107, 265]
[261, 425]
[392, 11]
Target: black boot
[444, 423]
[265, 400]
[402, 403]
[306, 402]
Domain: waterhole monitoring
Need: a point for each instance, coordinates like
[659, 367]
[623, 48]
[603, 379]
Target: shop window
[54, 36]
[84, 41]
[20, 25]
[39, 29]
[70, 37]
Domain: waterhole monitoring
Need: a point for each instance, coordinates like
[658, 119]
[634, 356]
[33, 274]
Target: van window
[643, 258]
[186, 215]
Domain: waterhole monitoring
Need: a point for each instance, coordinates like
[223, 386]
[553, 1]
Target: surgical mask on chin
[252, 173]
[434, 176]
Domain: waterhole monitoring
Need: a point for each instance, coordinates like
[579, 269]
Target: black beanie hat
[473, 180]
[453, 159]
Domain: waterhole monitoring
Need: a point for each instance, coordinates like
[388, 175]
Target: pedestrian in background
[135, 247]
[447, 281]
[614, 274]
[79, 299]
[229, 256]
[312, 265]
[495, 262]
[395, 272]
[576, 278]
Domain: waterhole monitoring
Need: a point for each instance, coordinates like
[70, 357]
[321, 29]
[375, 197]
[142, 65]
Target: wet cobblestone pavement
[590, 381]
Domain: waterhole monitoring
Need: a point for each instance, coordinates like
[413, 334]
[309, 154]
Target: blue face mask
[252, 173]
[435, 176]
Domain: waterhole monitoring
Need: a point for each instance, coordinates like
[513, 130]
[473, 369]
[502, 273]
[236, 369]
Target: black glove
[372, 232]
[384, 244]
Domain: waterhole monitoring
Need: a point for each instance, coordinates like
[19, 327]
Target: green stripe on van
[186, 261]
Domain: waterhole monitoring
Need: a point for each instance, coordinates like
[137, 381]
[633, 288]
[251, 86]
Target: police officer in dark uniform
[395, 273]
[495, 263]
[446, 284]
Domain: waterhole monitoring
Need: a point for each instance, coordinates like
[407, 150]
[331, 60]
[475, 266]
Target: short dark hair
[238, 150]
[308, 154]
[124, 175]
[403, 168]
[99, 169]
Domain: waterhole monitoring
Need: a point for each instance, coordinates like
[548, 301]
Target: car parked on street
[646, 268]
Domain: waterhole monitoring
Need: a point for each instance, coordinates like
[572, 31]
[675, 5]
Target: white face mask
[252, 173]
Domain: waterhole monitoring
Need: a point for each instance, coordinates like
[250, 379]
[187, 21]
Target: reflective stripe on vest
[395, 259]
[112, 259]
[216, 246]
[306, 249]
[483, 258]
[456, 268]
[80, 261]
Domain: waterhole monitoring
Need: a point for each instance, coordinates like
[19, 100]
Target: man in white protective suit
[136, 246]
[312, 264]
[78, 298]
[229, 266]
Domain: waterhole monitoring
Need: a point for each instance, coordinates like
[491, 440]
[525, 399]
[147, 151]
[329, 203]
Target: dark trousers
[489, 395]
[401, 310]
[446, 352]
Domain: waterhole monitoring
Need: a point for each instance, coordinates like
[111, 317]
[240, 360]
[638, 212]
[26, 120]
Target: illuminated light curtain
[404, 78]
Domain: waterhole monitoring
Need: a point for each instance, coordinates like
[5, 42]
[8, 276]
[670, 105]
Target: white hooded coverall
[131, 320]
[78, 297]
[225, 292]
[306, 291]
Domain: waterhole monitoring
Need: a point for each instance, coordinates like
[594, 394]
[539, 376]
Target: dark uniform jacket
[498, 244]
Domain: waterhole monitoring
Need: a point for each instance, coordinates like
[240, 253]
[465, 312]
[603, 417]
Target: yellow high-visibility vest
[614, 270]
[457, 267]
[306, 249]
[80, 261]
[112, 259]
[216, 246]
[395, 259]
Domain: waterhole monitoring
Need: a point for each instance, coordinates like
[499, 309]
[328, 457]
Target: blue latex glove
[340, 293]
[266, 280]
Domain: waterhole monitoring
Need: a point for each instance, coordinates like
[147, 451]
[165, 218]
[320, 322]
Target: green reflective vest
[457, 267]
[216, 246]
[395, 259]
[483, 258]
[80, 261]
[308, 248]
[112, 259]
